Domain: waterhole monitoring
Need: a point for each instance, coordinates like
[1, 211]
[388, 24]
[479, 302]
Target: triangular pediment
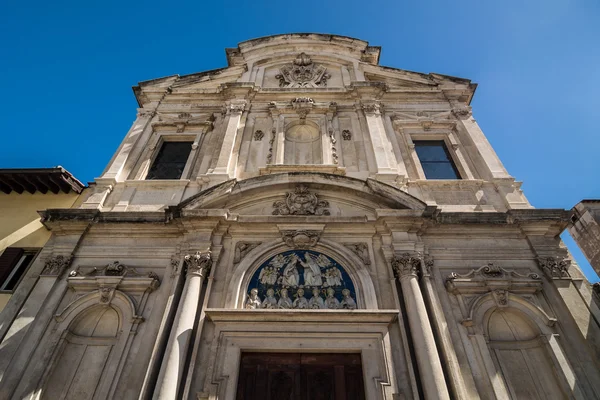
[304, 194]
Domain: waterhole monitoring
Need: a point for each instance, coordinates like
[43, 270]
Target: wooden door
[293, 376]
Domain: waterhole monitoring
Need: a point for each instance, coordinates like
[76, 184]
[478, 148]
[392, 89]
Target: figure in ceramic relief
[284, 299]
[278, 261]
[331, 302]
[316, 301]
[270, 301]
[300, 302]
[312, 271]
[290, 272]
[268, 276]
[253, 302]
[348, 302]
[323, 261]
[333, 277]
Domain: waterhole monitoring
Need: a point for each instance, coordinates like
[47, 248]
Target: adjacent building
[24, 192]
[303, 223]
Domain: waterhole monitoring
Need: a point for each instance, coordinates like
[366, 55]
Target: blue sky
[68, 68]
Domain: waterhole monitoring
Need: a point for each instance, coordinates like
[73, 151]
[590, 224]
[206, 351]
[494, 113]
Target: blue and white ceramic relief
[301, 279]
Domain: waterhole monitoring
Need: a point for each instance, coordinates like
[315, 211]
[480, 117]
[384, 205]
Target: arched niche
[303, 144]
[92, 345]
[523, 347]
[354, 269]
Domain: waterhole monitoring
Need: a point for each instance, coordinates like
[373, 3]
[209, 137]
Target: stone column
[457, 382]
[428, 361]
[171, 374]
[226, 154]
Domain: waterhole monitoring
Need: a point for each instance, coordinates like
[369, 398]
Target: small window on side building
[14, 261]
[436, 160]
[170, 160]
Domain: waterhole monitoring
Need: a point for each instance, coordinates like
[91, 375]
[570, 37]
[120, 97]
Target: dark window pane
[435, 160]
[170, 161]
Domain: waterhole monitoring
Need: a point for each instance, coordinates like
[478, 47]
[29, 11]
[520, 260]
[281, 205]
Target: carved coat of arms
[301, 202]
[302, 72]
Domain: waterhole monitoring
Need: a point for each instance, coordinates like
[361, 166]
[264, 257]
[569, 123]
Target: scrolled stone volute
[199, 263]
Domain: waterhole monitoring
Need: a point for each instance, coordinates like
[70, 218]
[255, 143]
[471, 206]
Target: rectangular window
[14, 261]
[436, 160]
[170, 160]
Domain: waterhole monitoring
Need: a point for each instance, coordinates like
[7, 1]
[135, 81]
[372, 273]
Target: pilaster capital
[555, 267]
[236, 107]
[55, 265]
[371, 108]
[199, 264]
[406, 265]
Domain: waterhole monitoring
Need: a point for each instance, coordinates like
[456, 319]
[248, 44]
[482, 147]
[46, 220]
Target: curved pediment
[303, 194]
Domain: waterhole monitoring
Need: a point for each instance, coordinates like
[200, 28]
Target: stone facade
[303, 222]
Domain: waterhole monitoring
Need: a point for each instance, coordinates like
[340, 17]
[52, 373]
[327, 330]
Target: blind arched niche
[303, 144]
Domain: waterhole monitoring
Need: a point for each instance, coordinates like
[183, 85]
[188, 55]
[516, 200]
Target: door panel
[293, 376]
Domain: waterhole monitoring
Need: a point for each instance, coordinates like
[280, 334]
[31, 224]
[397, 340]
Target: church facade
[303, 224]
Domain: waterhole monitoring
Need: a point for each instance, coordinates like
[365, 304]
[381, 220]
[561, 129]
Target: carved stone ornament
[301, 239]
[371, 108]
[199, 263]
[236, 107]
[406, 265]
[491, 277]
[462, 112]
[555, 267]
[243, 248]
[361, 250]
[258, 135]
[346, 134]
[270, 154]
[501, 297]
[301, 202]
[55, 265]
[428, 263]
[302, 72]
[106, 294]
[114, 268]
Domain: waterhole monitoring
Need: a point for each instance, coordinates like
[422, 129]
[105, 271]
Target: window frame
[27, 251]
[452, 149]
[155, 147]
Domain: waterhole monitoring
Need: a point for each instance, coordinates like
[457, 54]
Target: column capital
[199, 264]
[406, 265]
